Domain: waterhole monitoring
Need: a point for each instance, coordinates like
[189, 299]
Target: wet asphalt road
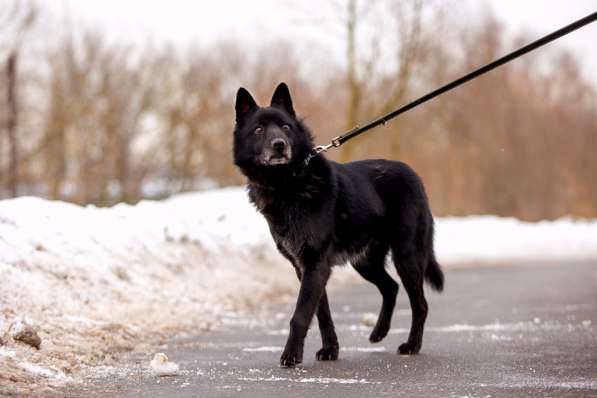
[520, 331]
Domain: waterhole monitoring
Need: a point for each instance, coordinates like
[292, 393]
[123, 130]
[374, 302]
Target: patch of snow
[161, 366]
[346, 349]
[363, 328]
[318, 380]
[278, 332]
[363, 349]
[263, 349]
[334, 380]
[271, 378]
[40, 371]
[583, 384]
[369, 319]
[7, 353]
[550, 383]
[100, 279]
[499, 240]
[473, 328]
[17, 327]
[499, 337]
[495, 327]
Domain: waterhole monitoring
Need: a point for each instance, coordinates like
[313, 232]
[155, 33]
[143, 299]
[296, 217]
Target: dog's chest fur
[304, 226]
[298, 215]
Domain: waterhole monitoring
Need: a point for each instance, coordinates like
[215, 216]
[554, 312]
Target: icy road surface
[495, 332]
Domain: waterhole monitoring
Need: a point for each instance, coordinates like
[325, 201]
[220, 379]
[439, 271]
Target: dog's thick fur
[326, 213]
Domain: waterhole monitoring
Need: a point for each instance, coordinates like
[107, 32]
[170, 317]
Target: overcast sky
[247, 22]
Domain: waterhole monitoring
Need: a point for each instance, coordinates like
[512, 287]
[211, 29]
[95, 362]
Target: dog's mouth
[276, 160]
[271, 158]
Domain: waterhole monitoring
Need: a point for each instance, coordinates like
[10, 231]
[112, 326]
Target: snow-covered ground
[498, 240]
[99, 282]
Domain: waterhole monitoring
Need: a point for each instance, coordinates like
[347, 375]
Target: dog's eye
[286, 127]
[258, 130]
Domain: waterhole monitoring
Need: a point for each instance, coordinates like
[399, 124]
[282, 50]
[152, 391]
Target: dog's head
[269, 137]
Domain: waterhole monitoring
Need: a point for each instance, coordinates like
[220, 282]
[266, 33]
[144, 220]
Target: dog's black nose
[278, 144]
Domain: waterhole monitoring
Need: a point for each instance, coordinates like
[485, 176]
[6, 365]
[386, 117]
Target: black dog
[323, 213]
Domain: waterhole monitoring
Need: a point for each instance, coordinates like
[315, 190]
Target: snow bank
[95, 281]
[189, 251]
[490, 239]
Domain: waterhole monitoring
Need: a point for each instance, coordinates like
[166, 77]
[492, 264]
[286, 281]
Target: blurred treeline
[90, 120]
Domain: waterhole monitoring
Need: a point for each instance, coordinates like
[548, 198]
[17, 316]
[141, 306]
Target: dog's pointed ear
[244, 104]
[281, 98]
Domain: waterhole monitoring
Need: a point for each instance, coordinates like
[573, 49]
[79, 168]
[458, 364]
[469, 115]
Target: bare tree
[366, 81]
[119, 124]
[22, 16]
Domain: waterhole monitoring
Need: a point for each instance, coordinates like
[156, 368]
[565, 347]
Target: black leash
[341, 139]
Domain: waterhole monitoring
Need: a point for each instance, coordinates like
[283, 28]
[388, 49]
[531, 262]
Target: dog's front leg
[313, 283]
[329, 351]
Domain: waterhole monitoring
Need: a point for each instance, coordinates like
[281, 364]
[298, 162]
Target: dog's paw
[290, 358]
[409, 348]
[378, 334]
[327, 353]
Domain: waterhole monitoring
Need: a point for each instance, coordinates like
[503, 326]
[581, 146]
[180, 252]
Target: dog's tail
[434, 274]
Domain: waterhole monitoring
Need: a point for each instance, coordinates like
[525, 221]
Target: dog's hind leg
[410, 269]
[372, 268]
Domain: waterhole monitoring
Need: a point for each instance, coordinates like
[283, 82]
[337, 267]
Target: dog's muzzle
[279, 152]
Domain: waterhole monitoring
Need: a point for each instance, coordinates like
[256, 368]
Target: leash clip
[335, 143]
